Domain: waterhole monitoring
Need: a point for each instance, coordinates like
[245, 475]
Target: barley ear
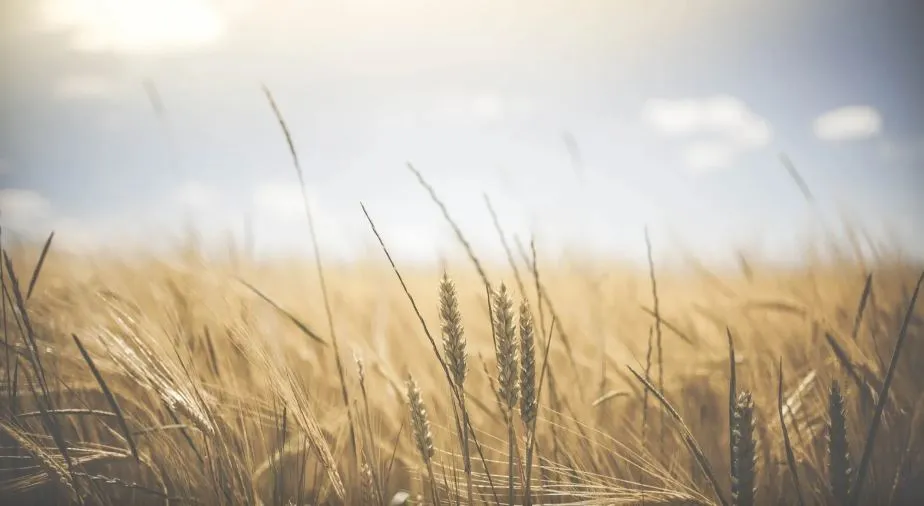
[839, 470]
[744, 451]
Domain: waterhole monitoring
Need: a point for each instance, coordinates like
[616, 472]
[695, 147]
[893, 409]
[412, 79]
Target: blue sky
[678, 109]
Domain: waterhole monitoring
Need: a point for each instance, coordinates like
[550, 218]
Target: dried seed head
[423, 438]
[360, 368]
[507, 369]
[744, 450]
[453, 332]
[528, 400]
[368, 484]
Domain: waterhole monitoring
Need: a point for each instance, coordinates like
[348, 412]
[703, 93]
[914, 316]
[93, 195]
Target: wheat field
[223, 379]
[192, 379]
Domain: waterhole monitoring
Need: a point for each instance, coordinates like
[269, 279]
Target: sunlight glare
[135, 26]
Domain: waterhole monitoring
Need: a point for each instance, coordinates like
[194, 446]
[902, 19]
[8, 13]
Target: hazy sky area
[679, 110]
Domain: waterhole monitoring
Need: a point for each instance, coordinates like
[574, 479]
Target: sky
[583, 122]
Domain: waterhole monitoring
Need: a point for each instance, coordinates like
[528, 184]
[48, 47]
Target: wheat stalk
[507, 371]
[839, 469]
[743, 451]
[420, 425]
[529, 401]
[454, 349]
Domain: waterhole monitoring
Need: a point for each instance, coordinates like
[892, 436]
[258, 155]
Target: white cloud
[83, 86]
[730, 125]
[848, 123]
[134, 26]
[720, 115]
[22, 209]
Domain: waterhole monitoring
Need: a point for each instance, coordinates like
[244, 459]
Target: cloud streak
[729, 126]
[848, 123]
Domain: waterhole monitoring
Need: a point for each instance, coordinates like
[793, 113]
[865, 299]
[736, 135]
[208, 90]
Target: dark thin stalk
[790, 456]
[884, 396]
[109, 398]
[319, 268]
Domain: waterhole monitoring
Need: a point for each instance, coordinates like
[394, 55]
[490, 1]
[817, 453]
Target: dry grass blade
[732, 392]
[797, 178]
[669, 326]
[38, 266]
[455, 228]
[68, 411]
[910, 445]
[45, 401]
[507, 251]
[47, 462]
[29, 336]
[688, 438]
[320, 271]
[866, 459]
[790, 456]
[612, 394]
[109, 398]
[656, 300]
[864, 299]
[295, 321]
[844, 359]
[648, 351]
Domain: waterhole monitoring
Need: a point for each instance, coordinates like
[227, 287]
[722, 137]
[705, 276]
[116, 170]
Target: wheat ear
[454, 349]
[529, 401]
[507, 371]
[744, 451]
[420, 425]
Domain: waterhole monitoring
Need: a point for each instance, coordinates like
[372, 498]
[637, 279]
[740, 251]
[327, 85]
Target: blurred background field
[707, 214]
[213, 380]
